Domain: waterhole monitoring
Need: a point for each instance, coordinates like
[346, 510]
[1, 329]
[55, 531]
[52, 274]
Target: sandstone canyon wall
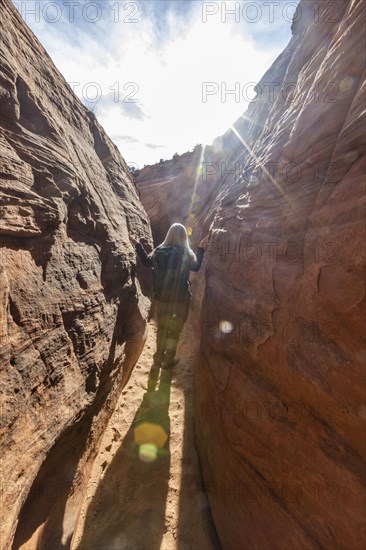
[182, 189]
[72, 312]
[279, 384]
[167, 191]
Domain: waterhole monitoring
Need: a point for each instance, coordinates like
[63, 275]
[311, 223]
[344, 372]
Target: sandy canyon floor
[135, 501]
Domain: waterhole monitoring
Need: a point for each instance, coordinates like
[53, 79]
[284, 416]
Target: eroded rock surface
[72, 313]
[280, 420]
[279, 383]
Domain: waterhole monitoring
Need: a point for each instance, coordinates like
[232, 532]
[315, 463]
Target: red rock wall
[72, 313]
[280, 385]
[167, 191]
[280, 390]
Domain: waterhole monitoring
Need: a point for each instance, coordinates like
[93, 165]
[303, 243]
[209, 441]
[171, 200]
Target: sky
[161, 76]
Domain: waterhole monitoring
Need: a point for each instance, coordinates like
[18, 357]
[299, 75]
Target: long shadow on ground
[128, 508]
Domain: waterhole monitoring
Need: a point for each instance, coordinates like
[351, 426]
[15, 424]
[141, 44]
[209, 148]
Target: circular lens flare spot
[226, 327]
[149, 432]
[346, 84]
[148, 452]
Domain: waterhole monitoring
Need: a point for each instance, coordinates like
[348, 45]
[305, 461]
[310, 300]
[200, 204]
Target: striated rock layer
[280, 385]
[72, 312]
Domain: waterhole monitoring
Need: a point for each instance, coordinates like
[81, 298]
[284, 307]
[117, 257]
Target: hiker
[171, 261]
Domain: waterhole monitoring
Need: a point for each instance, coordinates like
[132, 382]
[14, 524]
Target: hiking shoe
[171, 363]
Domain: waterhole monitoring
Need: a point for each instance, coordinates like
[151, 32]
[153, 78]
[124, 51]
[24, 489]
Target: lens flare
[198, 175]
[149, 437]
[148, 452]
[226, 327]
[346, 84]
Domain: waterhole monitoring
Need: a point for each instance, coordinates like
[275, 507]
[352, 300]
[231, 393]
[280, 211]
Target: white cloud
[127, 62]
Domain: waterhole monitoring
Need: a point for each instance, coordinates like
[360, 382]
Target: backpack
[170, 275]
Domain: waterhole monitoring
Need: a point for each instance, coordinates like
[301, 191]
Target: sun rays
[194, 192]
[262, 166]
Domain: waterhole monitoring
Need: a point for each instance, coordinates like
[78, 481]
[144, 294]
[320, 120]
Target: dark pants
[171, 318]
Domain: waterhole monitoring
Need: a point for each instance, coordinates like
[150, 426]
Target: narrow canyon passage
[267, 404]
[133, 504]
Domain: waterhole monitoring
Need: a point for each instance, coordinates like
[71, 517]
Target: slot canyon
[258, 434]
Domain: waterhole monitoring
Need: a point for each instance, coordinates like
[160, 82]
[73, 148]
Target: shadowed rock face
[279, 381]
[167, 191]
[72, 313]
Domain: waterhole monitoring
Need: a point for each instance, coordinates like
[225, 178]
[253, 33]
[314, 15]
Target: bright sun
[160, 93]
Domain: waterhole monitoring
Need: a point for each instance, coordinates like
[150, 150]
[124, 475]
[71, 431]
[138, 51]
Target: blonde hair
[177, 235]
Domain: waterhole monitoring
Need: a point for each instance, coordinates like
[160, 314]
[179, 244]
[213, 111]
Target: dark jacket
[181, 284]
